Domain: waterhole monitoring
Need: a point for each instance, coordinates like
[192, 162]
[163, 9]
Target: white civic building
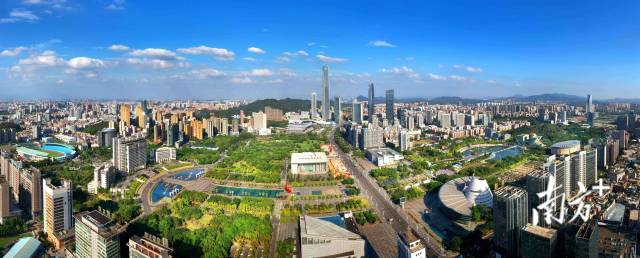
[309, 163]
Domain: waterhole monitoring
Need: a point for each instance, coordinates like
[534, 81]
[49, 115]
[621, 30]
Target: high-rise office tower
[259, 120]
[356, 110]
[389, 106]
[538, 242]
[510, 214]
[36, 131]
[371, 110]
[337, 110]
[589, 107]
[105, 137]
[403, 140]
[29, 191]
[314, 106]
[631, 120]
[5, 199]
[537, 182]
[325, 93]
[140, 115]
[96, 235]
[125, 114]
[58, 210]
[130, 153]
[172, 133]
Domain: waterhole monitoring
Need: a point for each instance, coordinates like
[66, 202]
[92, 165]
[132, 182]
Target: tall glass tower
[389, 104]
[325, 93]
[371, 108]
[314, 106]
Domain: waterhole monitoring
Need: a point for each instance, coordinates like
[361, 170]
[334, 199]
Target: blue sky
[255, 49]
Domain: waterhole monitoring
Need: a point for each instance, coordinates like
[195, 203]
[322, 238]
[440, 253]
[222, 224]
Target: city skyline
[109, 49]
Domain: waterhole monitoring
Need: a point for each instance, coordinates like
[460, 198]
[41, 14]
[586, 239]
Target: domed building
[459, 195]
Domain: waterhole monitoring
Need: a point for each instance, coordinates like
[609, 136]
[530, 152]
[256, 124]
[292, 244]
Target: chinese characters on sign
[549, 207]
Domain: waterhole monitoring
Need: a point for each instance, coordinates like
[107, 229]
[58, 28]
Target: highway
[382, 204]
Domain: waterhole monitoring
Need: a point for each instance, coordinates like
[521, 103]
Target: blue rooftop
[25, 247]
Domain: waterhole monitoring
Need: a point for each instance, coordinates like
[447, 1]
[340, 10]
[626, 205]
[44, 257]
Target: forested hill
[286, 105]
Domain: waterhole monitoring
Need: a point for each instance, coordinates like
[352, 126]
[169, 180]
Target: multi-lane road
[382, 204]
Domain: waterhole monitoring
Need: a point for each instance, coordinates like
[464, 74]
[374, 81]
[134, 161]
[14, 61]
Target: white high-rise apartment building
[130, 153]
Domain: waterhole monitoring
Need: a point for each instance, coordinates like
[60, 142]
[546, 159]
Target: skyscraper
[337, 110]
[389, 106]
[510, 214]
[96, 235]
[325, 93]
[125, 114]
[356, 111]
[58, 210]
[130, 153]
[589, 107]
[371, 108]
[314, 106]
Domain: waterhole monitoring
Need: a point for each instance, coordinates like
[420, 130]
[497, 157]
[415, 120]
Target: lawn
[262, 160]
[7, 240]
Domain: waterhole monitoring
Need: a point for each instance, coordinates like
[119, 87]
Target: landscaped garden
[262, 160]
[198, 225]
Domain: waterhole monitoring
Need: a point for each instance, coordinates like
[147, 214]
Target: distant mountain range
[550, 97]
[288, 104]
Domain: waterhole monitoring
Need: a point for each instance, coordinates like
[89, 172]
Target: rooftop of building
[25, 247]
[308, 157]
[99, 222]
[615, 213]
[383, 151]
[615, 242]
[547, 233]
[509, 192]
[315, 227]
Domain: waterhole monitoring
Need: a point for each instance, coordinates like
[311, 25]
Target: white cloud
[380, 43]
[470, 69]
[296, 53]
[20, 14]
[436, 77]
[157, 53]
[118, 47]
[207, 73]
[259, 73]
[23, 14]
[457, 78]
[12, 52]
[242, 80]
[256, 50]
[153, 63]
[492, 81]
[403, 70]
[250, 59]
[287, 72]
[329, 59]
[311, 44]
[218, 53]
[85, 62]
[474, 69]
[116, 5]
[45, 59]
[60, 81]
[283, 59]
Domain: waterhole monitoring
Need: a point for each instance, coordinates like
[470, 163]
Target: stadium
[55, 151]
